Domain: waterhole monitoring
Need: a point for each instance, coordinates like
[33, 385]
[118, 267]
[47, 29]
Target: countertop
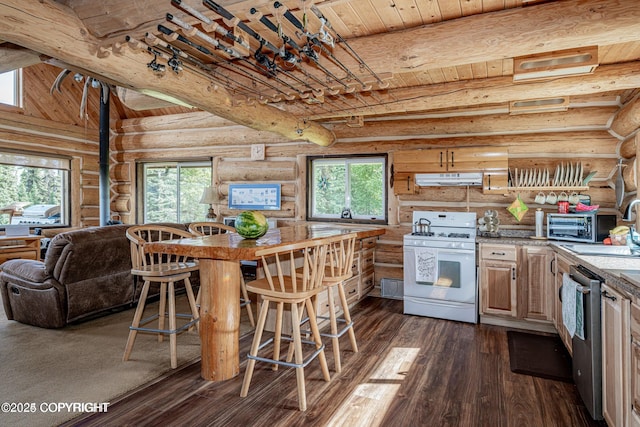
[621, 273]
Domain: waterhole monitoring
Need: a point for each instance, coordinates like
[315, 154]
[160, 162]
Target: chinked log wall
[199, 136]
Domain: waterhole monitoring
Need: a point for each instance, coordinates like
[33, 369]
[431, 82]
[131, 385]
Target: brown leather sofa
[85, 273]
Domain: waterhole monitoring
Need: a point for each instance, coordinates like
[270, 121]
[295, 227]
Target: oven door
[456, 278]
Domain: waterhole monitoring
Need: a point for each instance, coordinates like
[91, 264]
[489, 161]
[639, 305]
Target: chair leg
[347, 317]
[251, 363]
[162, 309]
[245, 297]
[335, 342]
[195, 314]
[297, 344]
[318, 339]
[136, 321]
[277, 339]
[173, 341]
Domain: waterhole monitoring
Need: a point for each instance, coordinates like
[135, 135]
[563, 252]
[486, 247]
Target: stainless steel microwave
[579, 227]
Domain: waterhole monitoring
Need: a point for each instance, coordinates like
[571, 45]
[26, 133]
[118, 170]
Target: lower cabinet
[616, 340]
[516, 283]
[561, 265]
[634, 419]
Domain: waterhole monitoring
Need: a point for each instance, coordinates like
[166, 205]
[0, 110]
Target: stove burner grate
[458, 235]
[426, 234]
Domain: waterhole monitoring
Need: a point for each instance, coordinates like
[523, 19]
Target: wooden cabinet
[404, 183]
[536, 286]
[561, 266]
[616, 405]
[495, 182]
[366, 259]
[634, 418]
[498, 294]
[461, 159]
[27, 247]
[420, 161]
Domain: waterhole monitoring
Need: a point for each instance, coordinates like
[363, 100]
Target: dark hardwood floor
[410, 371]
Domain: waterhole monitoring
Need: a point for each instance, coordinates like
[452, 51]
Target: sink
[599, 250]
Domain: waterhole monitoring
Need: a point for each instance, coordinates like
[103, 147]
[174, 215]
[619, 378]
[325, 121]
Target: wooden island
[219, 257]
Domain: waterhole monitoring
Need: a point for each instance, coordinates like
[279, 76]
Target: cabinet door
[535, 289]
[403, 183]
[562, 266]
[498, 288]
[615, 357]
[635, 365]
[471, 159]
[420, 161]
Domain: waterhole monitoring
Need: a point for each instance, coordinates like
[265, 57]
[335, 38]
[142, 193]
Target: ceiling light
[545, 105]
[561, 63]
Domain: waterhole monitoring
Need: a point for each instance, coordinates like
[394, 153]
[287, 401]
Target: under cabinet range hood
[448, 179]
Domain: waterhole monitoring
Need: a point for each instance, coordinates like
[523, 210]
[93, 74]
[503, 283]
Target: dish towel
[572, 307]
[426, 265]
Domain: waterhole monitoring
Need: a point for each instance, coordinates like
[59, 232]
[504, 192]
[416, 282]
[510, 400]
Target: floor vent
[391, 288]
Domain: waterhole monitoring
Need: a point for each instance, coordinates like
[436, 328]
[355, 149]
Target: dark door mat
[539, 355]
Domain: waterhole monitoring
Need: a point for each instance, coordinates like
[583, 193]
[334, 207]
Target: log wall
[199, 135]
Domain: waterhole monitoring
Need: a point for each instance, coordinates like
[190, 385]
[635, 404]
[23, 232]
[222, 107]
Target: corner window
[34, 190]
[347, 188]
[171, 191]
[11, 88]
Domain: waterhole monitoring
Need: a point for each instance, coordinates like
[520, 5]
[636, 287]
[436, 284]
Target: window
[171, 191]
[34, 189]
[347, 187]
[11, 88]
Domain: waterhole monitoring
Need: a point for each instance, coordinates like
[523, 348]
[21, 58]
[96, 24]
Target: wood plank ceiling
[437, 57]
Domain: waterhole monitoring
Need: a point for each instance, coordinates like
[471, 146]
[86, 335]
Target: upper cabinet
[492, 161]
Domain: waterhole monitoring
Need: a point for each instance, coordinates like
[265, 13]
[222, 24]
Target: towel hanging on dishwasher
[572, 307]
[426, 265]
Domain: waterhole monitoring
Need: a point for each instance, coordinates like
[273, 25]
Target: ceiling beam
[54, 30]
[13, 57]
[502, 35]
[497, 90]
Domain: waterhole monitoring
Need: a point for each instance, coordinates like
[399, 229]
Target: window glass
[347, 188]
[34, 190]
[10, 88]
[172, 191]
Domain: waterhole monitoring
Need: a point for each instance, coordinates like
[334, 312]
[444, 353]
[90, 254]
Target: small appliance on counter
[587, 227]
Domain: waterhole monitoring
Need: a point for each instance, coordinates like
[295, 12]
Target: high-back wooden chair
[165, 269]
[209, 229]
[339, 269]
[282, 288]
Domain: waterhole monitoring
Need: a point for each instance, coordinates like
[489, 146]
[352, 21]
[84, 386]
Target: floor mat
[539, 355]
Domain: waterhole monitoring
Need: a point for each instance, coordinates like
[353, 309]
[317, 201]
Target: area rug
[81, 364]
[539, 355]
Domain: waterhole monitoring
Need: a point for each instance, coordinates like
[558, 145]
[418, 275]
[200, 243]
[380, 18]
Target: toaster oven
[587, 227]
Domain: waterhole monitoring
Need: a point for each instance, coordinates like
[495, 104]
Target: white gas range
[440, 266]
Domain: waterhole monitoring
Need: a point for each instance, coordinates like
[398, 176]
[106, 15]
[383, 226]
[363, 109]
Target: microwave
[585, 227]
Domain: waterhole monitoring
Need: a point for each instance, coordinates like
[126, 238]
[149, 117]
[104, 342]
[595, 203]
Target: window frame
[18, 98]
[141, 167]
[355, 158]
[38, 160]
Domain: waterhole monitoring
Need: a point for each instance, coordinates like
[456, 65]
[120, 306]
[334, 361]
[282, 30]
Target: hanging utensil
[619, 186]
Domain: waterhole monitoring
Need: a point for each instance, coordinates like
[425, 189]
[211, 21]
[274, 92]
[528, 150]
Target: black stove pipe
[105, 209]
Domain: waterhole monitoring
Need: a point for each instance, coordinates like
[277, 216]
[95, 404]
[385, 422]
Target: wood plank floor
[410, 371]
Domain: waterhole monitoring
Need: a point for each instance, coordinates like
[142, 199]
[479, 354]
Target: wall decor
[254, 196]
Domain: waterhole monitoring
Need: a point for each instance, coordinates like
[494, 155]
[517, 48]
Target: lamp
[560, 63]
[210, 196]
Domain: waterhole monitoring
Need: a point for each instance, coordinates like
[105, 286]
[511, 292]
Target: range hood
[448, 179]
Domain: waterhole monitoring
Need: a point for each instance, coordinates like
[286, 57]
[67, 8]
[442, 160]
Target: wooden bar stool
[288, 289]
[164, 269]
[338, 269]
[209, 229]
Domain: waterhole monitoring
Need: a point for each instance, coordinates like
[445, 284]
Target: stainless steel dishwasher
[587, 353]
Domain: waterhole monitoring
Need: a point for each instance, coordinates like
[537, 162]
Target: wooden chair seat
[166, 269]
[282, 288]
[207, 228]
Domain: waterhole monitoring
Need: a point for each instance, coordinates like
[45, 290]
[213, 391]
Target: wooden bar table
[219, 256]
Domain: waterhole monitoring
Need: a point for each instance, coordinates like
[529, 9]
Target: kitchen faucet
[627, 216]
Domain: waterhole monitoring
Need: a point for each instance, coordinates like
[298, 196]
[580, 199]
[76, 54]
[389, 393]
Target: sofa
[85, 273]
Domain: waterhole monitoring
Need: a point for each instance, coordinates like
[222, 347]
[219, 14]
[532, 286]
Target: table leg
[220, 319]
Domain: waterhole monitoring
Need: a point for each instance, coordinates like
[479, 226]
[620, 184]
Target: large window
[171, 191]
[347, 188]
[11, 88]
[34, 190]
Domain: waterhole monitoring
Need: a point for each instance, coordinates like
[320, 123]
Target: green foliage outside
[365, 182]
[29, 186]
[172, 193]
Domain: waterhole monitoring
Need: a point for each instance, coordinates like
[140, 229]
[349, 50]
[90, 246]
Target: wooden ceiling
[438, 58]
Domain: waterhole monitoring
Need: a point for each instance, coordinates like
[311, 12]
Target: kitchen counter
[622, 273]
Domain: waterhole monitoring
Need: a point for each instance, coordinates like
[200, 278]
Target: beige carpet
[81, 363]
